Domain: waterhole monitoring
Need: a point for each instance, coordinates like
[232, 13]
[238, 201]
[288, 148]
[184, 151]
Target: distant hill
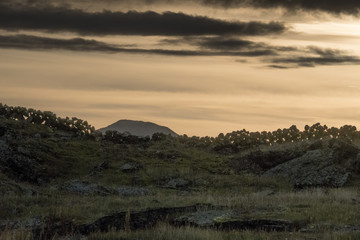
[138, 128]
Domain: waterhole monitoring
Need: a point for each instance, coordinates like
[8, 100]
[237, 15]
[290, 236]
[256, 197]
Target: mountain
[138, 128]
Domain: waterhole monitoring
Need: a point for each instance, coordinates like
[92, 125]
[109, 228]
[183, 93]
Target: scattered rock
[2, 131]
[267, 225]
[201, 218]
[226, 220]
[53, 227]
[4, 147]
[12, 188]
[350, 229]
[99, 168]
[131, 191]
[85, 188]
[137, 220]
[265, 193]
[130, 167]
[27, 224]
[178, 183]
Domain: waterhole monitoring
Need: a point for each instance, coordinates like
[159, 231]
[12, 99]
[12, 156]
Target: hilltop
[138, 128]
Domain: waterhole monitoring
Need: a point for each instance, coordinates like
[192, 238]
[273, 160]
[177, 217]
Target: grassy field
[322, 213]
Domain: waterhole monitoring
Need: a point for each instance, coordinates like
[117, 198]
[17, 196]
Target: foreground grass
[166, 232]
[324, 211]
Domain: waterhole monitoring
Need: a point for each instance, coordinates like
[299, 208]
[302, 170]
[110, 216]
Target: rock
[99, 168]
[265, 193]
[129, 167]
[227, 220]
[53, 227]
[85, 188]
[4, 147]
[137, 220]
[131, 191]
[202, 218]
[2, 131]
[22, 168]
[178, 183]
[315, 168]
[37, 136]
[13, 188]
[267, 225]
[350, 229]
[27, 224]
[259, 161]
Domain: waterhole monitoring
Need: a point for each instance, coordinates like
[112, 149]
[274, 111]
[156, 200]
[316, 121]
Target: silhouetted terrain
[61, 179]
[138, 128]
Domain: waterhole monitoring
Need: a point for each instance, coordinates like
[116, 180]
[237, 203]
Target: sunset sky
[199, 67]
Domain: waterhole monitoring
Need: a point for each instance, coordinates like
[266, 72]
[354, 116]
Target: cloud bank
[62, 19]
[275, 56]
[351, 7]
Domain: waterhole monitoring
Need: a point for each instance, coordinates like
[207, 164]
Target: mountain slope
[138, 128]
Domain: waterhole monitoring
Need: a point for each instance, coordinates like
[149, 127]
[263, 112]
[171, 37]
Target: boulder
[22, 168]
[202, 218]
[2, 131]
[329, 166]
[131, 191]
[99, 168]
[130, 167]
[178, 183]
[85, 188]
[144, 219]
[258, 161]
[224, 219]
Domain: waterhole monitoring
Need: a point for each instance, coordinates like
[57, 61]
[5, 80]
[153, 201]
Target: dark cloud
[225, 43]
[79, 44]
[34, 42]
[60, 19]
[331, 6]
[228, 44]
[231, 43]
[279, 57]
[351, 7]
[292, 62]
[313, 56]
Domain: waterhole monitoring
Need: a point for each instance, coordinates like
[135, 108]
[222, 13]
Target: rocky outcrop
[131, 191]
[9, 187]
[259, 161]
[225, 219]
[130, 167]
[329, 166]
[87, 188]
[137, 220]
[99, 168]
[178, 183]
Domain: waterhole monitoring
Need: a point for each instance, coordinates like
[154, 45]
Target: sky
[199, 67]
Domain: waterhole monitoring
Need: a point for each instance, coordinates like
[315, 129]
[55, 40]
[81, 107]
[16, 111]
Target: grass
[166, 232]
[212, 180]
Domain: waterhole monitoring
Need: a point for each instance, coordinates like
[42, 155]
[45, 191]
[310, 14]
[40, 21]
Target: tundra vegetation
[61, 179]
